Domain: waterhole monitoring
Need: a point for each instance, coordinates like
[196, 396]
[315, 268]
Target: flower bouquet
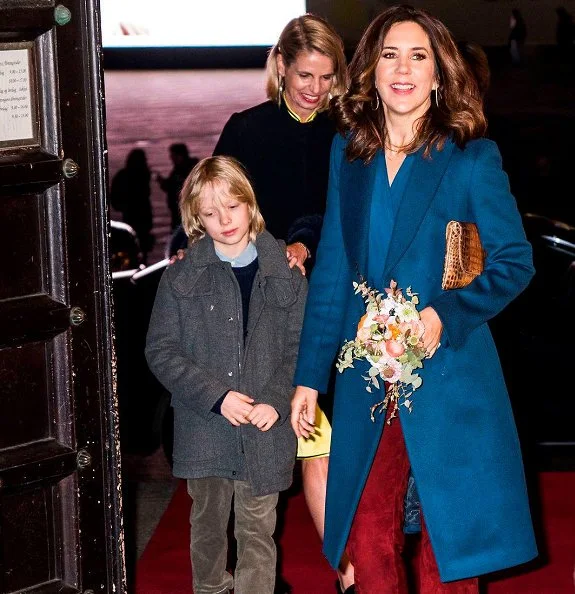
[389, 339]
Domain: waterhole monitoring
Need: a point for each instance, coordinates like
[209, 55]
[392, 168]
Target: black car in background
[534, 337]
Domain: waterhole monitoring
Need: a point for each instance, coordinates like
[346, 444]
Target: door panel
[60, 513]
[26, 521]
[22, 258]
[24, 407]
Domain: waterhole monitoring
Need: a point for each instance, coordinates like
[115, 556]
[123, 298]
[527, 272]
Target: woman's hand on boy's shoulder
[179, 255]
[297, 254]
[263, 416]
[236, 408]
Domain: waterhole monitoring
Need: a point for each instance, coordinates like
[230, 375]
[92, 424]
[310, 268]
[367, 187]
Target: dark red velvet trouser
[376, 540]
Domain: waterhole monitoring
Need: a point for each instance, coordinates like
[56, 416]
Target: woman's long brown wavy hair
[458, 115]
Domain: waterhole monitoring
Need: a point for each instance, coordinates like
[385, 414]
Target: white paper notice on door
[16, 117]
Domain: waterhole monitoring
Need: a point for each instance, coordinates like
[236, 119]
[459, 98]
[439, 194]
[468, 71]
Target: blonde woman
[284, 142]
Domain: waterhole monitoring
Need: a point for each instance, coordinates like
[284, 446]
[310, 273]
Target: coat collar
[272, 256]
[358, 185]
[202, 255]
[423, 183]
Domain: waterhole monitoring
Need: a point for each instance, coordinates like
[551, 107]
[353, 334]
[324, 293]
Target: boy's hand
[263, 416]
[236, 408]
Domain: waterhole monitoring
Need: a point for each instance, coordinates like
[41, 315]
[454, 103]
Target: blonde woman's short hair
[211, 171]
[308, 33]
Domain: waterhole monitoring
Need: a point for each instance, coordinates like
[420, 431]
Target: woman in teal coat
[410, 158]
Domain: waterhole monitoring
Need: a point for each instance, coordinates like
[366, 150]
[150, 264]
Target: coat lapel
[357, 184]
[273, 283]
[424, 180]
[194, 276]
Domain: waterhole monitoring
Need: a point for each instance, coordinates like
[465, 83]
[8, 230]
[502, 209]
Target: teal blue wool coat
[461, 437]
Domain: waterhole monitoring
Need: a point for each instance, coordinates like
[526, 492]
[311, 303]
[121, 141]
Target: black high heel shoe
[348, 590]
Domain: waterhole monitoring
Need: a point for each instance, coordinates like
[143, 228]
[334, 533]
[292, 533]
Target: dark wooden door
[60, 513]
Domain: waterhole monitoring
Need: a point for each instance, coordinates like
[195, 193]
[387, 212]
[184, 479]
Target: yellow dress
[317, 444]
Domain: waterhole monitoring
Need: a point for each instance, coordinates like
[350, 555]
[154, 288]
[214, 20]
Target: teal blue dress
[384, 206]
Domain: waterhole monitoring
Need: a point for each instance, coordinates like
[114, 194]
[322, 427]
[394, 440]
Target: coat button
[234, 473]
[230, 319]
[230, 373]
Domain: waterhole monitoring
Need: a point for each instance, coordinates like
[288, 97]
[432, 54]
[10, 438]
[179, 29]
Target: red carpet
[164, 567]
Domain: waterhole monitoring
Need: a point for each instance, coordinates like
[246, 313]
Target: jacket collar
[272, 256]
[423, 183]
[202, 255]
[357, 185]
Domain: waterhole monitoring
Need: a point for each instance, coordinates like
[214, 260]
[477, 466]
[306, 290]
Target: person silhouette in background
[130, 195]
[517, 35]
[182, 165]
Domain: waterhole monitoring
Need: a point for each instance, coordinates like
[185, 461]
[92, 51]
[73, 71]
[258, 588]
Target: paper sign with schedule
[16, 116]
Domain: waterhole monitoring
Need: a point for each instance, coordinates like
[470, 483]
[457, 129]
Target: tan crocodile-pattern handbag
[464, 255]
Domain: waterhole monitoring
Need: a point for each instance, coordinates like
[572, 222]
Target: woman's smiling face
[405, 74]
[308, 81]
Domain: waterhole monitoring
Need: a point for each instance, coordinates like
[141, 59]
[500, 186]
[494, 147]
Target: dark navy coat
[461, 437]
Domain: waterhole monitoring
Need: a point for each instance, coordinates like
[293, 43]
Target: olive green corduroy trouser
[255, 520]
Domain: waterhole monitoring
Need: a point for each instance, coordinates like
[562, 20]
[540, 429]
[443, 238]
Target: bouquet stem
[391, 397]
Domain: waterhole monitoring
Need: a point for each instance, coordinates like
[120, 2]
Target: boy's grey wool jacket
[195, 347]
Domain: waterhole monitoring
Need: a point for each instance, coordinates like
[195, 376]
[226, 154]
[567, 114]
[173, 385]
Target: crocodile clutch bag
[464, 255]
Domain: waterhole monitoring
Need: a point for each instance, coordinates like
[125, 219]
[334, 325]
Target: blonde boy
[223, 339]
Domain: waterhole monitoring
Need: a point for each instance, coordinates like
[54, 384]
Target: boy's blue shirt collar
[249, 254]
[271, 256]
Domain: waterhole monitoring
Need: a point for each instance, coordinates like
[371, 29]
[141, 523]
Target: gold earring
[280, 89]
[437, 97]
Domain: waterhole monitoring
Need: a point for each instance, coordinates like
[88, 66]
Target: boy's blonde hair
[214, 170]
